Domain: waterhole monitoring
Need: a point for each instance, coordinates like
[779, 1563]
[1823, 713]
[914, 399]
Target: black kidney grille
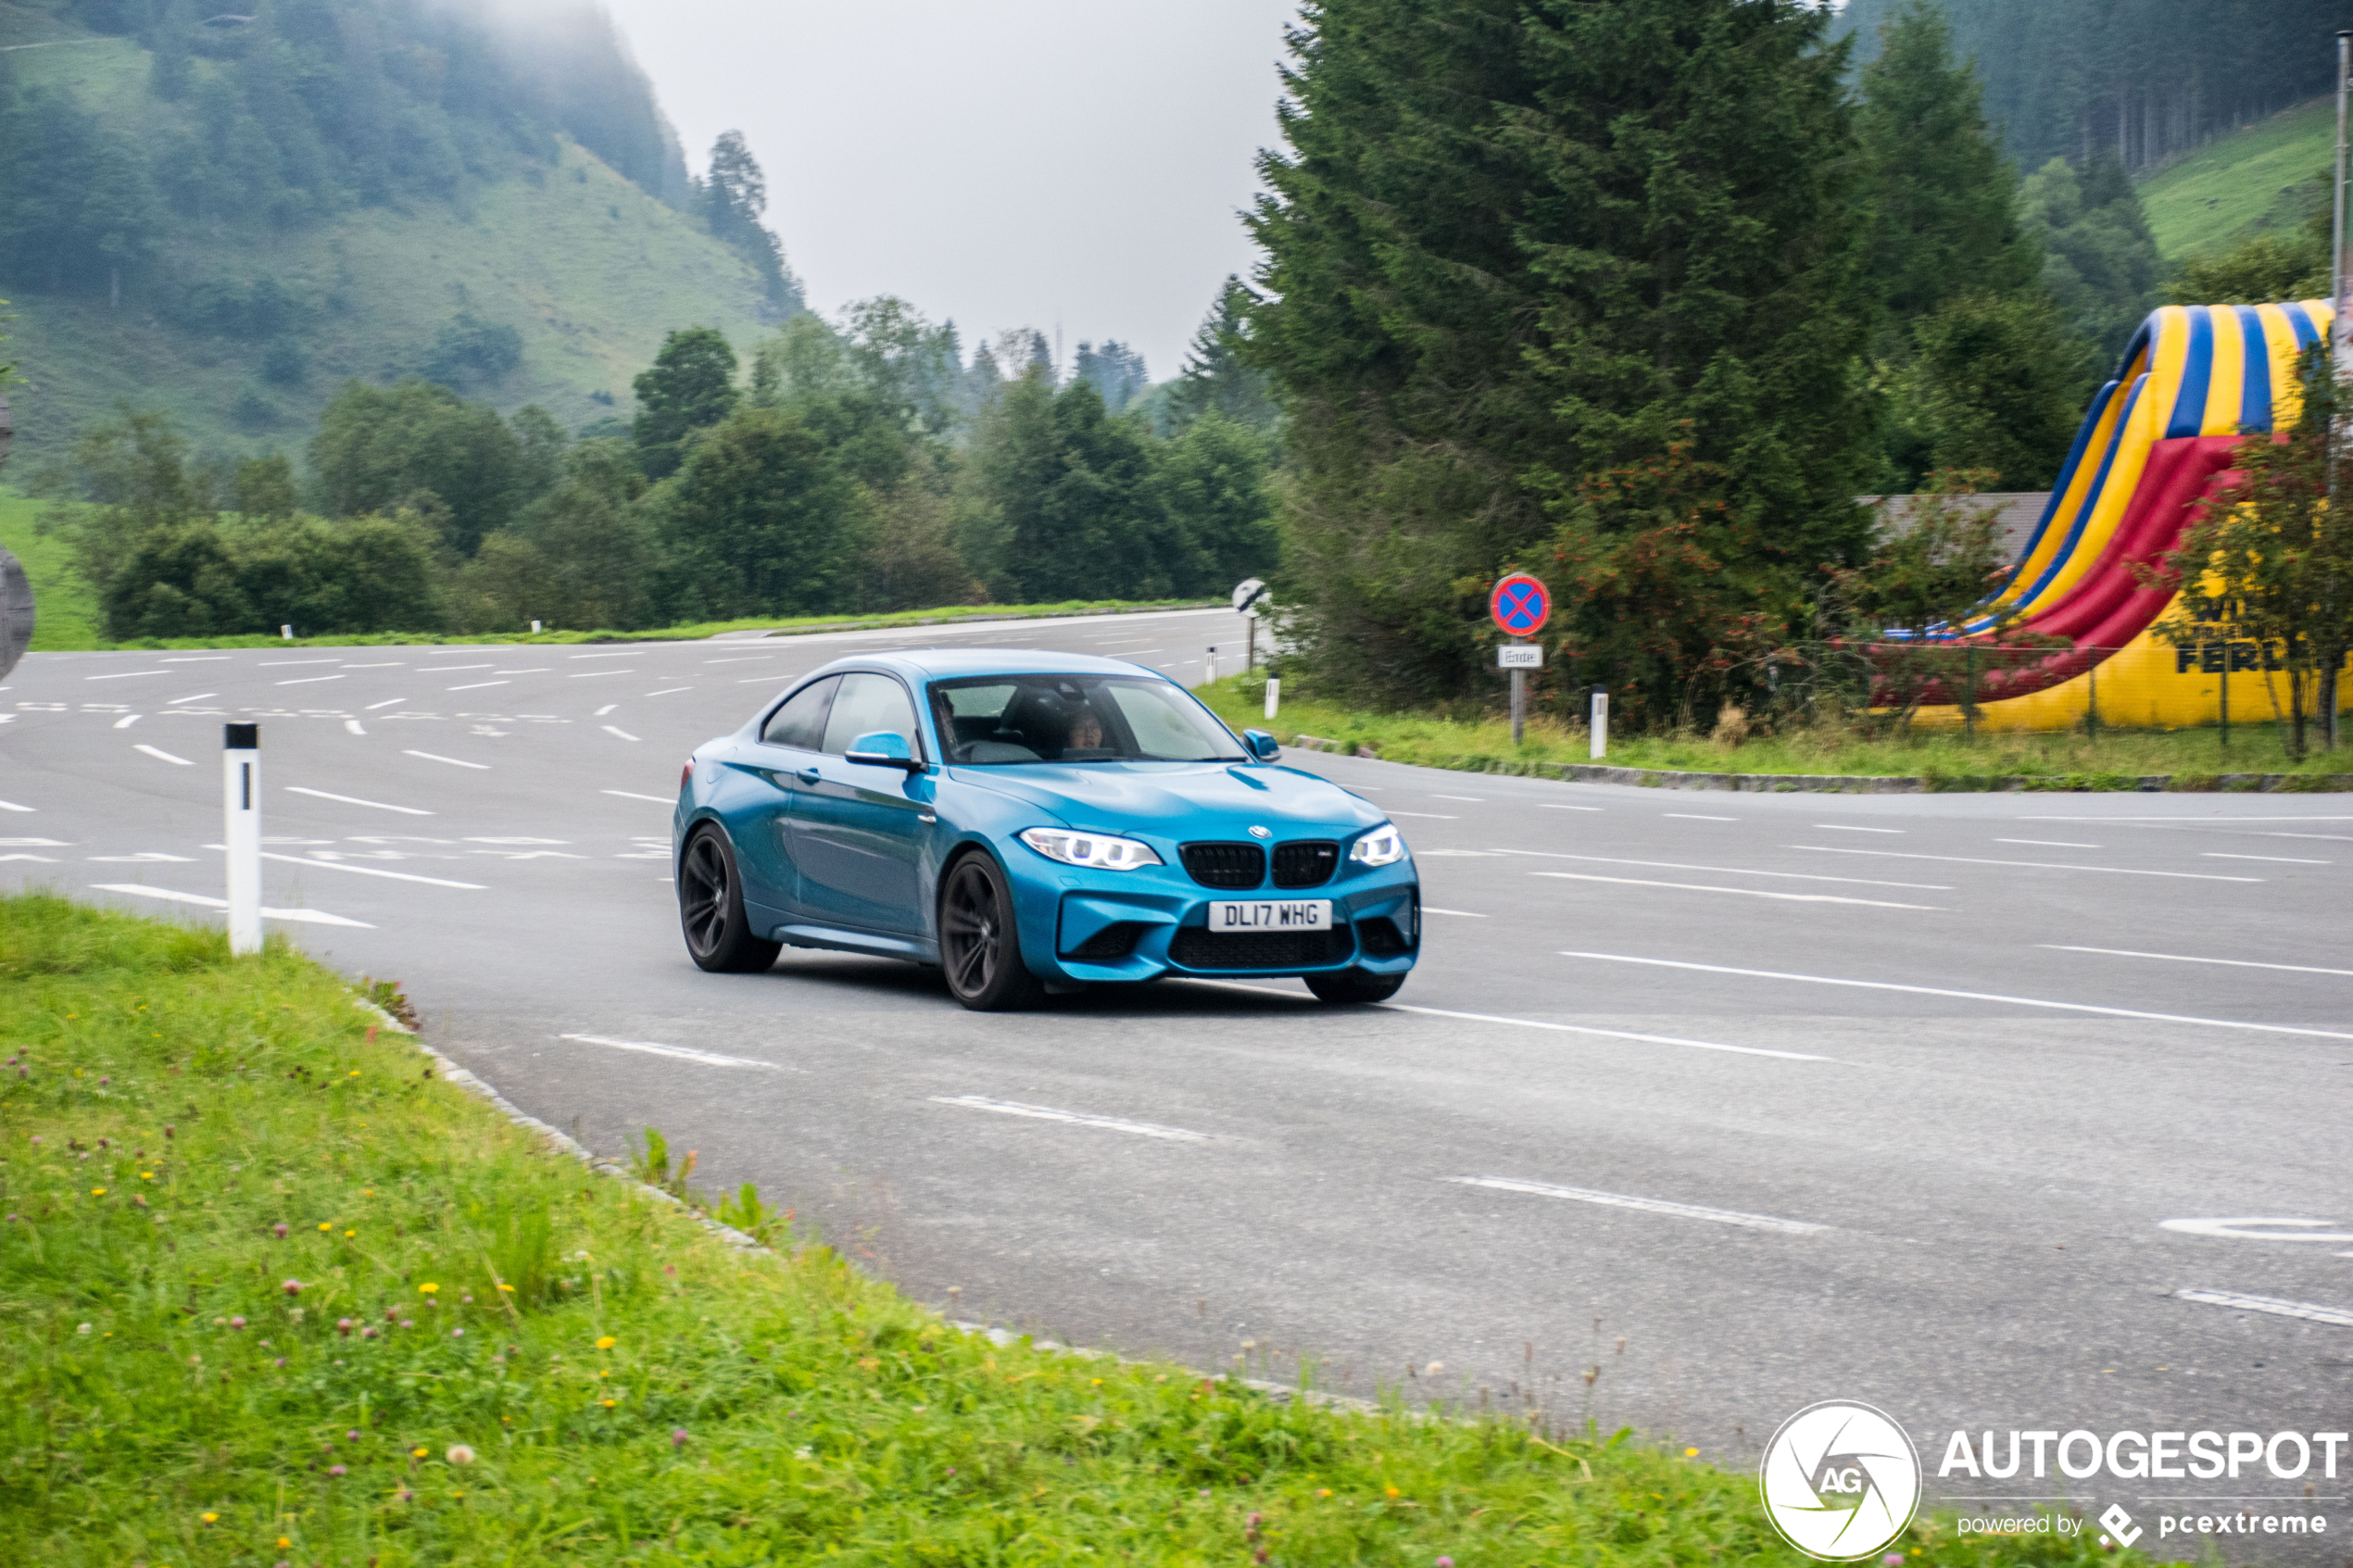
[1225, 865]
[1308, 864]
[1198, 947]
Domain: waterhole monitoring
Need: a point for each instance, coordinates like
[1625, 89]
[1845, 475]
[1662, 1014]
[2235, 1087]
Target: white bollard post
[1600, 723]
[1213, 661]
[535, 628]
[286, 632]
[1273, 696]
[241, 778]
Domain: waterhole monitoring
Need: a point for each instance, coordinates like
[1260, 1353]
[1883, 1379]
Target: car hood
[1185, 800]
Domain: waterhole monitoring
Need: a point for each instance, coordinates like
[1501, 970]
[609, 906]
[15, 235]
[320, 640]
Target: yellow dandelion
[606, 1343]
[210, 1518]
[350, 1233]
[428, 1289]
[1691, 1453]
[503, 1285]
[326, 1225]
[97, 1192]
[609, 1403]
[146, 1176]
[1392, 1492]
[1324, 1492]
[284, 1542]
[418, 1453]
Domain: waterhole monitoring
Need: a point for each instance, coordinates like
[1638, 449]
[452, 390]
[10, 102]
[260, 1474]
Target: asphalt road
[1699, 1108]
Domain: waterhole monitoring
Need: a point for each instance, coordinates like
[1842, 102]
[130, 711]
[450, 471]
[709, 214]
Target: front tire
[1357, 986]
[980, 947]
[710, 909]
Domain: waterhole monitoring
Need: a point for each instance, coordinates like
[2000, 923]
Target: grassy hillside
[66, 617]
[2256, 178]
[586, 267]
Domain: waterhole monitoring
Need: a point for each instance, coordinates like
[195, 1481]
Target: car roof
[927, 664]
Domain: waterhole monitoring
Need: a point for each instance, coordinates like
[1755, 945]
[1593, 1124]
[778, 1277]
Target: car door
[783, 764]
[859, 831]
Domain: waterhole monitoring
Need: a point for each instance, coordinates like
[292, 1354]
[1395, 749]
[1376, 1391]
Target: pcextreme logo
[1840, 1480]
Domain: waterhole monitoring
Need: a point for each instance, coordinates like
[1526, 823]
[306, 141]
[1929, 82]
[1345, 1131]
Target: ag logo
[1840, 1481]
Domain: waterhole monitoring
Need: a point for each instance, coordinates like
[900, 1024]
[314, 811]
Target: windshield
[995, 721]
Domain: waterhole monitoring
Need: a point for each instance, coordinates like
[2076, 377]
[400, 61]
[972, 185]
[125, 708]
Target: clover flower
[337, 1470]
[236, 1323]
[678, 1438]
[291, 1288]
[279, 1230]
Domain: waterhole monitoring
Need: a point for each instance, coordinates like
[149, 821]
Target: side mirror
[883, 749]
[1260, 744]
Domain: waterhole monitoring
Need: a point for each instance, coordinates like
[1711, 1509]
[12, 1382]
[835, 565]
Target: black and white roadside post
[1248, 593]
[1600, 747]
[241, 804]
[1519, 607]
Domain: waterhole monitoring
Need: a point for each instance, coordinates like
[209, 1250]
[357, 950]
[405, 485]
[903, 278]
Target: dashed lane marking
[740, 659]
[312, 917]
[1076, 1118]
[668, 691]
[1840, 827]
[1722, 871]
[1744, 892]
[126, 674]
[2051, 843]
[161, 755]
[2185, 957]
[174, 702]
[605, 709]
[617, 730]
[372, 871]
[354, 800]
[1557, 806]
[477, 685]
[633, 653]
[126, 721]
[387, 664]
[1697, 817]
[430, 757]
[1646, 1205]
[1475, 800]
[2281, 859]
[591, 674]
[281, 663]
[355, 726]
[450, 669]
[633, 795]
[12, 806]
[197, 658]
[1964, 996]
[144, 857]
[1466, 914]
[681, 1053]
[311, 680]
[534, 669]
[2031, 865]
[388, 702]
[1428, 815]
[2310, 1312]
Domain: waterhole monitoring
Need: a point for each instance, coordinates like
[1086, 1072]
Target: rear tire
[1345, 987]
[979, 945]
[710, 909]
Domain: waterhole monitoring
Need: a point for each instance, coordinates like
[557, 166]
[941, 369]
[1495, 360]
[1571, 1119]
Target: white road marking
[35, 842]
[388, 702]
[313, 917]
[633, 653]
[2182, 958]
[1428, 815]
[1555, 806]
[197, 658]
[2051, 843]
[1696, 817]
[477, 685]
[740, 659]
[684, 1053]
[447, 668]
[666, 691]
[370, 870]
[162, 755]
[761, 681]
[2032, 865]
[355, 726]
[2281, 859]
[1744, 892]
[388, 664]
[144, 854]
[12, 806]
[126, 674]
[1466, 914]
[632, 795]
[605, 709]
[2336, 1316]
[482, 767]
[591, 674]
[614, 730]
[1475, 800]
[20, 855]
[2238, 1229]
[354, 800]
[1647, 1205]
[534, 669]
[1731, 871]
[311, 680]
[1836, 827]
[2127, 822]
[176, 701]
[126, 721]
[1965, 995]
[1544, 1023]
[1047, 1113]
[274, 663]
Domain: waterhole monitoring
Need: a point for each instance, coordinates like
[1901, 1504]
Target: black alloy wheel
[710, 909]
[1353, 986]
[979, 949]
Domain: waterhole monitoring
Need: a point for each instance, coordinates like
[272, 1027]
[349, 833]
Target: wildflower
[342, 1326]
[407, 1323]
[326, 1225]
[83, 1329]
[1394, 1493]
[419, 1452]
[97, 1192]
[368, 1332]
[1445, 1563]
[348, 1234]
[210, 1518]
[146, 1176]
[503, 1285]
[1892, 1560]
[405, 1495]
[391, 1314]
[283, 1543]
[337, 1470]
[606, 1343]
[461, 1454]
[291, 1288]
[456, 1334]
[282, 1361]
[428, 1289]
[609, 1403]
[678, 1438]
[279, 1230]
[1691, 1453]
[352, 1436]
[296, 1314]
[236, 1323]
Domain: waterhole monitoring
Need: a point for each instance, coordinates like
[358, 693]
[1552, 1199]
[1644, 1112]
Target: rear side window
[802, 721]
[868, 703]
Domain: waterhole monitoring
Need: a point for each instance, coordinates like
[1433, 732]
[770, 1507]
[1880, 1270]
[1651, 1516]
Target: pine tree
[734, 197]
[1114, 370]
[690, 386]
[2100, 262]
[1217, 375]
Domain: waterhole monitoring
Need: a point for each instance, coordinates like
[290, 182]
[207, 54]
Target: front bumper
[1079, 925]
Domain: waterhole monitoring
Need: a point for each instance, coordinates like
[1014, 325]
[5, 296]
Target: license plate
[1289, 914]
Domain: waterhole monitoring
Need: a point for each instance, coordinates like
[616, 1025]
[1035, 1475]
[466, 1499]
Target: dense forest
[2143, 79]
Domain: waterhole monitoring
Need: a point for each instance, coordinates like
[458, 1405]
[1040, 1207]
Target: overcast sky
[1010, 163]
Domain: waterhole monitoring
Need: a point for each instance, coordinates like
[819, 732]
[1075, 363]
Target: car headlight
[1382, 846]
[1095, 851]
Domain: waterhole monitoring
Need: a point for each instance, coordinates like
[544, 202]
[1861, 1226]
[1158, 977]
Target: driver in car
[1086, 730]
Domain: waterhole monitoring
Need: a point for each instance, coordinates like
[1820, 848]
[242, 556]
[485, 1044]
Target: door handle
[807, 775]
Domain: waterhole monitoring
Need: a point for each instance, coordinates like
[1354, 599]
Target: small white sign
[1247, 595]
[1520, 656]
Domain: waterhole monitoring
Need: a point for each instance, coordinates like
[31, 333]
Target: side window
[802, 721]
[868, 703]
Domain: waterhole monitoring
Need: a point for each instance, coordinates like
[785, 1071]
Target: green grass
[65, 617]
[588, 269]
[2256, 178]
[1485, 744]
[191, 1133]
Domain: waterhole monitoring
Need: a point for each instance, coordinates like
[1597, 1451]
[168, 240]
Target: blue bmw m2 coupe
[1033, 821]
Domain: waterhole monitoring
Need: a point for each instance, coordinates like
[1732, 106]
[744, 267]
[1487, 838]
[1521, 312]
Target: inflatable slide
[2194, 378]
